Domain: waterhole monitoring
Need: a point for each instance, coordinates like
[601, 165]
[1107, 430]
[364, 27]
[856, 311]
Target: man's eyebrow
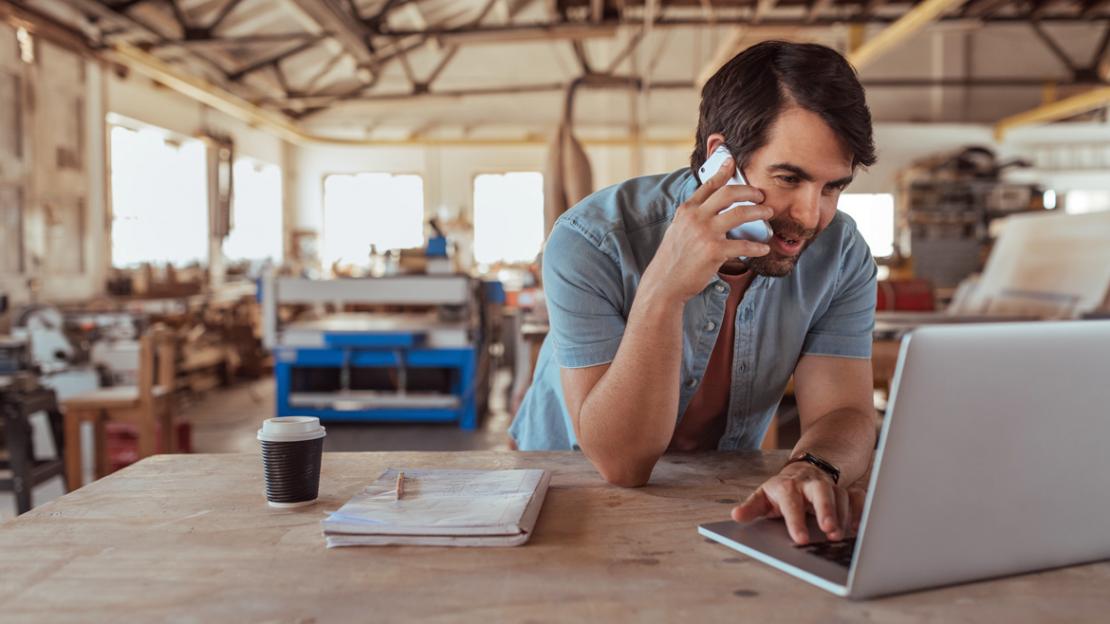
[805, 175]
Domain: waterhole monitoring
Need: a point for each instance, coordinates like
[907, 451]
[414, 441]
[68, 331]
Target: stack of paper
[442, 508]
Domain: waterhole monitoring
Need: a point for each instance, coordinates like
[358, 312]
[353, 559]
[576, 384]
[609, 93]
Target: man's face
[801, 170]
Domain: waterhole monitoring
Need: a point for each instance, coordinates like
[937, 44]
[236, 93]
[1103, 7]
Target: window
[379, 209]
[1083, 202]
[159, 199]
[874, 216]
[508, 217]
[256, 212]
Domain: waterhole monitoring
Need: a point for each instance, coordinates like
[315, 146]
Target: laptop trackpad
[767, 540]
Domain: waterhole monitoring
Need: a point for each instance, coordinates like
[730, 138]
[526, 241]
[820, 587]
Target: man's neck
[734, 266]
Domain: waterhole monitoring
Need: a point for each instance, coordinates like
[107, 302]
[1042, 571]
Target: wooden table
[190, 538]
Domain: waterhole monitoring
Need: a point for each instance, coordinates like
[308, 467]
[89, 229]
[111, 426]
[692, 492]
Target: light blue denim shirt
[592, 265]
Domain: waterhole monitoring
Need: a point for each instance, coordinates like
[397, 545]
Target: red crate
[122, 443]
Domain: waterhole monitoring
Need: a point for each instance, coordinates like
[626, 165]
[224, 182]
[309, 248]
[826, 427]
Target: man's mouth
[787, 244]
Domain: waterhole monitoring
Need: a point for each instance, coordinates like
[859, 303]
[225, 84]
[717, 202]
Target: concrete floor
[226, 420]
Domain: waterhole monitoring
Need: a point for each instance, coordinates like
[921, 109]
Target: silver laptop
[993, 460]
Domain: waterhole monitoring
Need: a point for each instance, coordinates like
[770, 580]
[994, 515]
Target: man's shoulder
[841, 241]
[630, 205]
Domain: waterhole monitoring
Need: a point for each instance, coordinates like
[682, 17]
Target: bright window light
[1048, 198]
[379, 209]
[1083, 202]
[159, 199]
[874, 216]
[256, 212]
[508, 217]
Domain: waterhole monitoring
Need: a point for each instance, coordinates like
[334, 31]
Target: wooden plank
[1061, 109]
[917, 18]
[189, 537]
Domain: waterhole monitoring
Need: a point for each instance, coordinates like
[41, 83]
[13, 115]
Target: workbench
[421, 364]
[190, 538]
[397, 343]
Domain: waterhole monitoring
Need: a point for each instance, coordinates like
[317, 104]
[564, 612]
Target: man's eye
[789, 179]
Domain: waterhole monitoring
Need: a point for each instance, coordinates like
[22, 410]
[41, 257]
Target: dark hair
[744, 98]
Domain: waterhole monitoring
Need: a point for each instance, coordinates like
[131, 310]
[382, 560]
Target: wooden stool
[147, 406]
[17, 403]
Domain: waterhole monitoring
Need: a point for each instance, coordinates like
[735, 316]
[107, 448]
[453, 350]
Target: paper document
[442, 507]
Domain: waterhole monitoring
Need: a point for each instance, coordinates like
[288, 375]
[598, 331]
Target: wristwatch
[825, 466]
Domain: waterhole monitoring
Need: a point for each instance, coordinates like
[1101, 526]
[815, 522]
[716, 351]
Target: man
[662, 339]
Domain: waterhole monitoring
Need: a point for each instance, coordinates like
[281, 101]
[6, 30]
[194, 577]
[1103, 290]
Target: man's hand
[695, 246]
[801, 488]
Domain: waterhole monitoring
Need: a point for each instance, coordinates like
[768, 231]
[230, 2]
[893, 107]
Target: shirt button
[743, 366]
[691, 382]
[747, 314]
[720, 288]
[710, 326]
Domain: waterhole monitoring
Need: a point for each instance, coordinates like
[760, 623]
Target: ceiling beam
[179, 17]
[1094, 6]
[530, 32]
[444, 61]
[225, 10]
[580, 54]
[1021, 82]
[597, 10]
[727, 49]
[214, 96]
[1053, 46]
[816, 8]
[245, 40]
[351, 33]
[983, 8]
[1061, 109]
[273, 60]
[909, 24]
[205, 92]
[44, 27]
[324, 70]
[762, 8]
[145, 29]
[496, 33]
[597, 82]
[871, 6]
[629, 48]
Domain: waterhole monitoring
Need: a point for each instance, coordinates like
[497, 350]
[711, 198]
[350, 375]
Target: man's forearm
[627, 420]
[844, 437]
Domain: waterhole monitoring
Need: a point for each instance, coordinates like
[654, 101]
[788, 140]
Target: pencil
[400, 485]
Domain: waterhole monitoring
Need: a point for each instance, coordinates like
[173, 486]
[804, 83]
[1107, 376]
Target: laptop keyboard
[838, 552]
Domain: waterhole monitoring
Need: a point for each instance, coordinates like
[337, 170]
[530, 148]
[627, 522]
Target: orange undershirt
[706, 415]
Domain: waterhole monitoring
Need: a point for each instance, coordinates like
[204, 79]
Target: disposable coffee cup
[292, 447]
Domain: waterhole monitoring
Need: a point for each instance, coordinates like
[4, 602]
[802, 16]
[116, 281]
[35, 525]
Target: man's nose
[806, 209]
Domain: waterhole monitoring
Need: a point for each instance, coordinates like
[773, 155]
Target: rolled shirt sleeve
[845, 328]
[581, 284]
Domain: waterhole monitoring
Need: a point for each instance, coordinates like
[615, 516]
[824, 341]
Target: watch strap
[825, 466]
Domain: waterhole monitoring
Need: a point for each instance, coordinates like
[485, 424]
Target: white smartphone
[758, 231]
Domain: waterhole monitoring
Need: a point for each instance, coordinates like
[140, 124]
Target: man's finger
[844, 511]
[731, 218]
[711, 185]
[793, 507]
[728, 195]
[744, 249]
[820, 494]
[755, 507]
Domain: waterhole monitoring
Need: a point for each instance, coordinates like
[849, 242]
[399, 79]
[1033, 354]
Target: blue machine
[408, 367]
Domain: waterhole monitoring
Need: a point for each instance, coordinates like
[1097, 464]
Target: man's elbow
[625, 472]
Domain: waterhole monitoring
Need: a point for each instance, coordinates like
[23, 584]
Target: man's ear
[712, 142]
